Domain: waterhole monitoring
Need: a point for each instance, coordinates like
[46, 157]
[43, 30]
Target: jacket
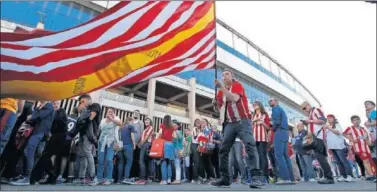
[42, 119]
[279, 118]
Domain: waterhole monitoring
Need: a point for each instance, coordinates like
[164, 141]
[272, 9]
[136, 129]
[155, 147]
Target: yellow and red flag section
[131, 42]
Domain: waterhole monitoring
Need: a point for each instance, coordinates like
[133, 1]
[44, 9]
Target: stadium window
[85, 15]
[75, 10]
[64, 8]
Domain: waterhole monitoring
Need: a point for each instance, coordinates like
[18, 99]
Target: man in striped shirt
[360, 140]
[232, 96]
[315, 122]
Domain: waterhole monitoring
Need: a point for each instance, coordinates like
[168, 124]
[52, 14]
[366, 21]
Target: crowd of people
[45, 145]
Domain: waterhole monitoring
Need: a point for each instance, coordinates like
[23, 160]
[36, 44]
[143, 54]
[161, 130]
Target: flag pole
[215, 105]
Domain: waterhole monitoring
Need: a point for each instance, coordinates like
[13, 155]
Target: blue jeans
[306, 162]
[7, 121]
[166, 171]
[341, 159]
[242, 130]
[353, 165]
[105, 156]
[126, 155]
[281, 154]
[29, 152]
[235, 157]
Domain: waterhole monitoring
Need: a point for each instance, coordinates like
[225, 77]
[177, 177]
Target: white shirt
[335, 141]
[109, 133]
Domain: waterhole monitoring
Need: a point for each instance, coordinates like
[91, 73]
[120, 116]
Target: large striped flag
[131, 42]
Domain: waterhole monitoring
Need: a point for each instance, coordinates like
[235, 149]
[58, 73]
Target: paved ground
[357, 186]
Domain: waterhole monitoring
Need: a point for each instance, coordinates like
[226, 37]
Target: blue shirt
[217, 137]
[126, 134]
[279, 118]
[178, 142]
[372, 115]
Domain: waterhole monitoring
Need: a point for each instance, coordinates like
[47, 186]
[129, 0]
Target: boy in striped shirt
[360, 140]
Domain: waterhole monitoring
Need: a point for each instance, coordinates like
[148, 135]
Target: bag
[118, 146]
[23, 135]
[205, 146]
[310, 141]
[157, 149]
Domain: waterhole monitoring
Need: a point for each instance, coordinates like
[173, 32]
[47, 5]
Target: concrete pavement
[302, 186]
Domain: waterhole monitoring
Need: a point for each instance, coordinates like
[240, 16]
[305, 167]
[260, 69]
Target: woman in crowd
[205, 158]
[261, 126]
[194, 151]
[126, 155]
[216, 139]
[178, 150]
[336, 144]
[166, 133]
[187, 152]
[144, 145]
[108, 140]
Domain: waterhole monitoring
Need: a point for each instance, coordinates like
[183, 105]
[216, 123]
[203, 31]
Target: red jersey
[360, 135]
[235, 110]
[260, 132]
[167, 134]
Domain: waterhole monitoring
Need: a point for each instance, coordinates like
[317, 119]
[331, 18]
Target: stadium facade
[185, 96]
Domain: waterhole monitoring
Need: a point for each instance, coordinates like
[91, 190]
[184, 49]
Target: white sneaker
[349, 179]
[341, 179]
[312, 180]
[302, 180]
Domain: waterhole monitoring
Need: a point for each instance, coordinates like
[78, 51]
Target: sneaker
[326, 181]
[21, 182]
[312, 180]
[163, 183]
[4, 180]
[106, 182]
[221, 183]
[59, 180]
[93, 182]
[128, 182]
[283, 182]
[375, 181]
[256, 184]
[176, 182]
[370, 178]
[169, 181]
[349, 179]
[302, 180]
[184, 181]
[193, 181]
[141, 182]
[341, 179]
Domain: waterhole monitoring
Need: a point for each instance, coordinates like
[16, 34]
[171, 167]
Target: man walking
[281, 137]
[232, 96]
[316, 121]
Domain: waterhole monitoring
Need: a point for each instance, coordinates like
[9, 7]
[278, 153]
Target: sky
[329, 46]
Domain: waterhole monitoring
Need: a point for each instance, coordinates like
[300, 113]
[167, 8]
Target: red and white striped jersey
[316, 114]
[235, 110]
[147, 133]
[359, 134]
[260, 132]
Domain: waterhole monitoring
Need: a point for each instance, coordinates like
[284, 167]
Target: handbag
[157, 149]
[23, 135]
[118, 145]
[311, 141]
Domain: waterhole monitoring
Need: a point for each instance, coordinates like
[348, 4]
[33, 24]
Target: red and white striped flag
[131, 42]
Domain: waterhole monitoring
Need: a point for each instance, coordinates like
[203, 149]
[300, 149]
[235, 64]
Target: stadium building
[184, 96]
